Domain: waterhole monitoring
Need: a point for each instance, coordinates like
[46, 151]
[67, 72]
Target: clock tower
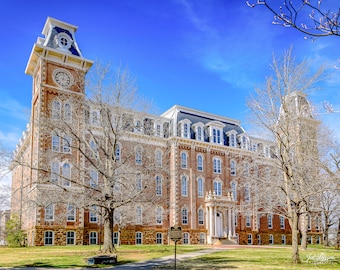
[58, 69]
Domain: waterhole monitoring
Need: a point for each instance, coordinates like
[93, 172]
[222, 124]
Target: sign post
[175, 235]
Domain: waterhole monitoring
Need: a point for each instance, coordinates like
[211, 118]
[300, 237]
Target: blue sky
[204, 54]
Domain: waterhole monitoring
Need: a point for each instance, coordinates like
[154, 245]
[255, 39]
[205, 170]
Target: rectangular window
[70, 237]
[250, 239]
[185, 238]
[55, 172]
[158, 186]
[184, 186]
[55, 143]
[159, 215]
[116, 238]
[139, 238]
[71, 213]
[271, 239]
[67, 144]
[48, 238]
[200, 217]
[200, 189]
[282, 222]
[248, 221]
[270, 221]
[159, 238]
[184, 216]
[93, 238]
[93, 214]
[202, 238]
[283, 239]
[49, 212]
[93, 178]
[259, 239]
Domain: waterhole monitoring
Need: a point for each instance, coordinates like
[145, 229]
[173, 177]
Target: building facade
[201, 186]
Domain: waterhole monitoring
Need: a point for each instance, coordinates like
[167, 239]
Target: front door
[219, 227]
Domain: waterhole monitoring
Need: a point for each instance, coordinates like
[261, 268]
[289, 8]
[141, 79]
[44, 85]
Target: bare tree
[282, 110]
[320, 22]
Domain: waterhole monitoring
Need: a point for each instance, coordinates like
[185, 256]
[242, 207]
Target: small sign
[176, 233]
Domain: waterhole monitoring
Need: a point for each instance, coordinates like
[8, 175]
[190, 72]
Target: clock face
[62, 78]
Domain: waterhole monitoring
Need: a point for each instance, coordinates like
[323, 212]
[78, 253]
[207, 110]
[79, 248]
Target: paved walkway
[152, 264]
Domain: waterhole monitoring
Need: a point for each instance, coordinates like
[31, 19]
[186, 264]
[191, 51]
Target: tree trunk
[303, 230]
[108, 246]
[325, 237]
[337, 246]
[295, 238]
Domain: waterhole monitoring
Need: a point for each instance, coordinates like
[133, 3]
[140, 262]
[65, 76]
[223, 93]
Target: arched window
[199, 163]
[184, 216]
[218, 188]
[159, 215]
[217, 165]
[139, 184]
[158, 158]
[232, 167]
[95, 118]
[93, 178]
[139, 215]
[200, 134]
[67, 112]
[67, 142]
[118, 152]
[138, 155]
[55, 143]
[94, 149]
[234, 190]
[184, 160]
[246, 169]
[66, 173]
[232, 140]
[200, 216]
[184, 186]
[158, 185]
[55, 172]
[56, 109]
[247, 194]
[185, 130]
[200, 187]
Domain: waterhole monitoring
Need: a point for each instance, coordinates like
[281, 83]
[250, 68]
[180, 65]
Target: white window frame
[55, 171]
[118, 152]
[159, 215]
[67, 112]
[184, 213]
[184, 160]
[159, 185]
[271, 239]
[49, 212]
[217, 188]
[248, 221]
[259, 240]
[138, 155]
[283, 239]
[66, 174]
[200, 187]
[67, 142]
[56, 109]
[249, 239]
[139, 238]
[71, 212]
[93, 236]
[184, 185]
[139, 215]
[159, 238]
[158, 158]
[217, 165]
[200, 163]
[186, 238]
[233, 167]
[233, 185]
[93, 178]
[70, 238]
[200, 215]
[116, 238]
[48, 238]
[270, 221]
[282, 222]
[139, 182]
[93, 215]
[55, 143]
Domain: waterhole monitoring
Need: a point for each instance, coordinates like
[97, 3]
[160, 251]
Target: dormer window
[185, 128]
[232, 138]
[199, 131]
[244, 142]
[216, 132]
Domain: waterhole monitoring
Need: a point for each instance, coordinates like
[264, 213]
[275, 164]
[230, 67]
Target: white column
[233, 222]
[215, 223]
[229, 223]
[211, 230]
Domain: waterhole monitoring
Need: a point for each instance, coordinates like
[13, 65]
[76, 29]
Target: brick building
[199, 188]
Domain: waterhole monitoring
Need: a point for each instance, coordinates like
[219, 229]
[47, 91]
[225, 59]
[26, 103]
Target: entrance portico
[220, 218]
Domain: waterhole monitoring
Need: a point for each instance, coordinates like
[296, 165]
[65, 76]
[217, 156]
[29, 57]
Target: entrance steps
[224, 241]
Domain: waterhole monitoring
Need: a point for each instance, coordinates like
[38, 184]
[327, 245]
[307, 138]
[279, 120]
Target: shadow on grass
[211, 262]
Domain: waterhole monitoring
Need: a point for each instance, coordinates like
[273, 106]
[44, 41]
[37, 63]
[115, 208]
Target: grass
[241, 258]
[74, 256]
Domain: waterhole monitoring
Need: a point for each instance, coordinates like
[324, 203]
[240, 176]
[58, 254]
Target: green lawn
[241, 258]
